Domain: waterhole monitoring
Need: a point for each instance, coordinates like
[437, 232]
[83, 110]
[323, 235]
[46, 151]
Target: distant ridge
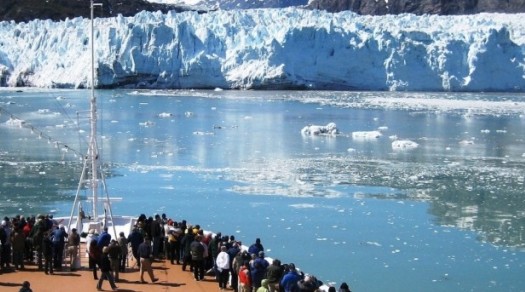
[27, 10]
[419, 7]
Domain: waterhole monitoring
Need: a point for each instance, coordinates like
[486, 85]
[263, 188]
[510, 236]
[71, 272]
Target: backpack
[197, 251]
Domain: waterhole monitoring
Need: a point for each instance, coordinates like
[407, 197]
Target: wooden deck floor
[171, 278]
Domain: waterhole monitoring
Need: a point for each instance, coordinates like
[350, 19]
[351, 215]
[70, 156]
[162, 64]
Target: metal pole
[93, 147]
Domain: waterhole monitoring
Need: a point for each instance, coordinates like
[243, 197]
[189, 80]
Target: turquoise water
[445, 216]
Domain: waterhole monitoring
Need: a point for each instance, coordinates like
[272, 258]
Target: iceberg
[366, 135]
[14, 122]
[288, 48]
[315, 130]
[404, 145]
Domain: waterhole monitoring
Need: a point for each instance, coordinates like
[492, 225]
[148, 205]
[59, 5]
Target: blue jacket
[289, 281]
[135, 238]
[58, 236]
[104, 239]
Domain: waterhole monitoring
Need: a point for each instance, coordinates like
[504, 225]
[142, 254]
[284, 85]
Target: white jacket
[223, 261]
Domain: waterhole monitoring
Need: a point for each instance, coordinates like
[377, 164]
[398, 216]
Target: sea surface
[444, 211]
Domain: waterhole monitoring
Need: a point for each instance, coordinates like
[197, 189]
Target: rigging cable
[21, 123]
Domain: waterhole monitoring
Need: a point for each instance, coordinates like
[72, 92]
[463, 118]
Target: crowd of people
[235, 266]
[43, 241]
[37, 239]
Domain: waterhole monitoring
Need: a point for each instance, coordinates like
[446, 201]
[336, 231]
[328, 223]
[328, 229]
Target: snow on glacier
[270, 49]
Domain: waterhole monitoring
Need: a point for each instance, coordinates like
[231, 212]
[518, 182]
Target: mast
[91, 160]
[95, 178]
[93, 147]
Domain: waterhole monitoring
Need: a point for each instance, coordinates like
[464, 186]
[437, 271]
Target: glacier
[290, 48]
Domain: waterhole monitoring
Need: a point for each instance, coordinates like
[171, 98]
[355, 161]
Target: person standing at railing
[37, 234]
[258, 268]
[123, 244]
[197, 251]
[156, 235]
[223, 266]
[245, 284]
[58, 237]
[47, 252]
[274, 274]
[18, 241]
[290, 279]
[186, 241]
[135, 239]
[73, 242]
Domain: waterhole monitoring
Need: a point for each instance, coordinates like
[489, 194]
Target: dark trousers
[58, 254]
[223, 278]
[123, 260]
[135, 252]
[106, 276]
[235, 280]
[18, 259]
[93, 267]
[186, 261]
[29, 249]
[5, 260]
[174, 252]
[48, 264]
[39, 257]
[198, 269]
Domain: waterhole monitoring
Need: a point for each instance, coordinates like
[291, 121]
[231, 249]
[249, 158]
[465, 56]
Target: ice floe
[313, 130]
[404, 145]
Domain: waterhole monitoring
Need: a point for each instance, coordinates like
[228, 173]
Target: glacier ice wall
[270, 49]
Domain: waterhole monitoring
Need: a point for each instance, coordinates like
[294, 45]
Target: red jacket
[244, 276]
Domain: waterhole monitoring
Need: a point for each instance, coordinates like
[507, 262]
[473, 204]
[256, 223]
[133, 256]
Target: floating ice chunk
[189, 114]
[404, 145]
[200, 133]
[147, 124]
[485, 131]
[218, 89]
[313, 130]
[165, 115]
[303, 206]
[383, 128]
[466, 142]
[366, 135]
[392, 137]
[14, 122]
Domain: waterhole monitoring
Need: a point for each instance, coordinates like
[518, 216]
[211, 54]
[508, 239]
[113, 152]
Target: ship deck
[171, 278]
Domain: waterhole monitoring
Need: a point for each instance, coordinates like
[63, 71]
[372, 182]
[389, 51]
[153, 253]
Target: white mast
[93, 147]
[92, 156]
